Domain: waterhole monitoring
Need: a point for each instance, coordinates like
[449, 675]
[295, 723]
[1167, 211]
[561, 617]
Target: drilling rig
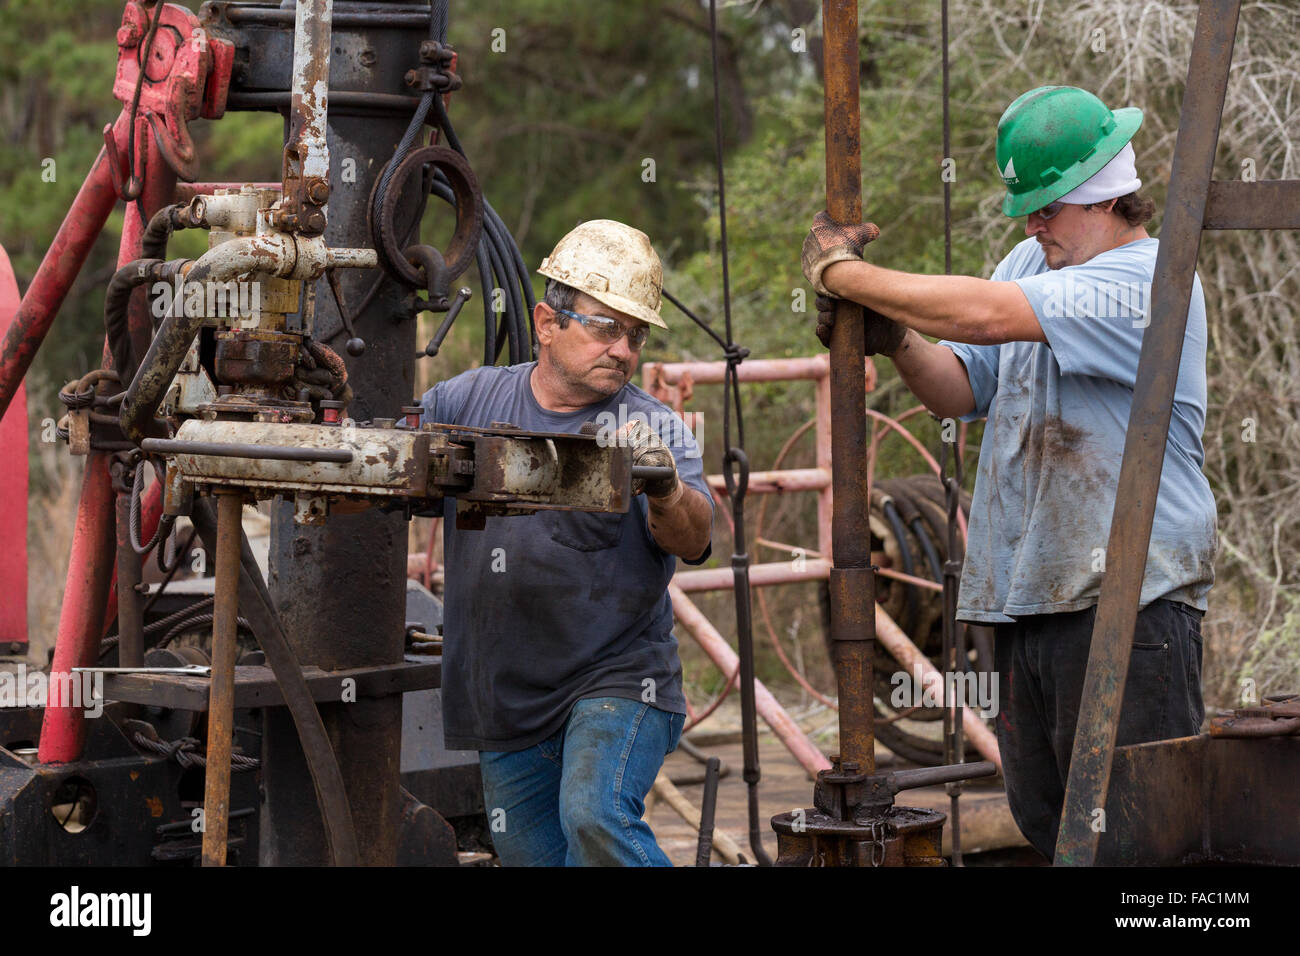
[219, 380]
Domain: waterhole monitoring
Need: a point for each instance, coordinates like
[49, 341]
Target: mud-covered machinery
[219, 376]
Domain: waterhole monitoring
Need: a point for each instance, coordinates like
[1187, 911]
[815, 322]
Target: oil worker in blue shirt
[559, 663]
[1047, 350]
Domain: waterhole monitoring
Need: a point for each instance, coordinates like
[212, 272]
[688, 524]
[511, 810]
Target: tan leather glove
[828, 242]
[648, 449]
[884, 336]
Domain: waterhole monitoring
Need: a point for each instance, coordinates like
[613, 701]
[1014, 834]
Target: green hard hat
[1055, 138]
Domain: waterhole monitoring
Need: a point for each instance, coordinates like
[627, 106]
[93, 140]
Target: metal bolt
[313, 224]
[318, 191]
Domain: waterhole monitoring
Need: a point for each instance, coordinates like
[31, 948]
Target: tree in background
[565, 102]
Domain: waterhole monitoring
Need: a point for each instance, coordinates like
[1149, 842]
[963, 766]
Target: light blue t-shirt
[1057, 416]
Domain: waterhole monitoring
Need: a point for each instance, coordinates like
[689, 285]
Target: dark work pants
[1041, 662]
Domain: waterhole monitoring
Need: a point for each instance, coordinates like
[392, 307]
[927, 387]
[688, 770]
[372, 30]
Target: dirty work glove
[883, 337]
[828, 242]
[648, 449]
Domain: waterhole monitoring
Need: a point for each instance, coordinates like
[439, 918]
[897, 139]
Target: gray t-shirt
[1057, 419]
[547, 609]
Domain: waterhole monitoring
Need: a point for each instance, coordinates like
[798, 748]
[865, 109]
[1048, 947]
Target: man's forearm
[935, 375]
[960, 308]
[681, 522]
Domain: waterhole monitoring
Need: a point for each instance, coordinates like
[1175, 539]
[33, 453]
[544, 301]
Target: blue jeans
[576, 798]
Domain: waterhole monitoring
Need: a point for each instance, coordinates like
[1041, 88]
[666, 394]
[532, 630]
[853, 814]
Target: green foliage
[559, 126]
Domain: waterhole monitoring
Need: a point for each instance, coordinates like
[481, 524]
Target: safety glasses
[610, 330]
[1049, 211]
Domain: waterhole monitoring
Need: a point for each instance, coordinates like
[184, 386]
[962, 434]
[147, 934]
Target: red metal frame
[13, 487]
[185, 76]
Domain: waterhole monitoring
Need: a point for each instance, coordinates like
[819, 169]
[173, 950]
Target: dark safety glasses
[611, 330]
[1049, 211]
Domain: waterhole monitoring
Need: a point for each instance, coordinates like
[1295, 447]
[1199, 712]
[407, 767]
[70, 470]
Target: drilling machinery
[238, 396]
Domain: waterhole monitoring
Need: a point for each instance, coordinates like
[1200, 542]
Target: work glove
[883, 337]
[648, 449]
[828, 242]
[320, 372]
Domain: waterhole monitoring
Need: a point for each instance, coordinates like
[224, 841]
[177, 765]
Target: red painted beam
[55, 276]
[13, 490]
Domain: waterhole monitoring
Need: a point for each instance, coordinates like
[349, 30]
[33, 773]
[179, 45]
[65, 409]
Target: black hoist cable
[735, 470]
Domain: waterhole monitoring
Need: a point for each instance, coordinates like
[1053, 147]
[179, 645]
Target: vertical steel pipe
[337, 612]
[308, 97]
[1148, 432]
[852, 584]
[221, 691]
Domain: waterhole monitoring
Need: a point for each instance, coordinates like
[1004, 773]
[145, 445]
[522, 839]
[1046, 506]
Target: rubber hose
[490, 216]
[498, 268]
[513, 280]
[152, 378]
[905, 553]
[491, 337]
[931, 556]
[117, 300]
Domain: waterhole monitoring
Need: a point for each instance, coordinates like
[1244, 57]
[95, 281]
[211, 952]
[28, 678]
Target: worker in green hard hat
[1047, 350]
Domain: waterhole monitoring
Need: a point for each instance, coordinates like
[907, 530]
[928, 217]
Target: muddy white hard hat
[614, 264]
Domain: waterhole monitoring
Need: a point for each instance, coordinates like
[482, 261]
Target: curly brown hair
[1136, 209]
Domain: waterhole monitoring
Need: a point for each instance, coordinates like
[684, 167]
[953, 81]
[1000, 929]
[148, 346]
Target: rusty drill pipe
[852, 584]
[313, 28]
[221, 690]
[1147, 433]
[322, 762]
